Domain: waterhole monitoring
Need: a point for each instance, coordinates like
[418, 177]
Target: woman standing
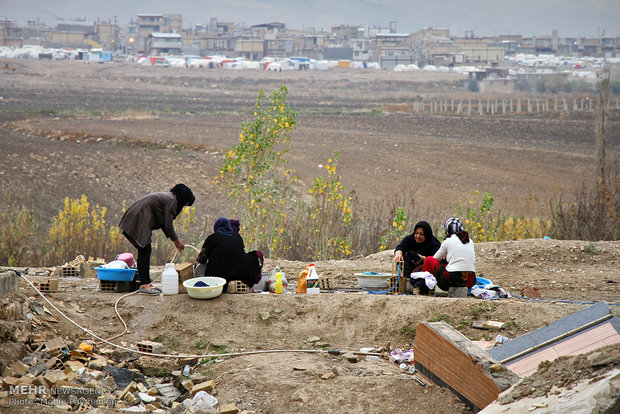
[151, 212]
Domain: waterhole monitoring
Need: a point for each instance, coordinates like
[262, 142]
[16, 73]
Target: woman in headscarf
[458, 250]
[414, 248]
[223, 255]
[151, 212]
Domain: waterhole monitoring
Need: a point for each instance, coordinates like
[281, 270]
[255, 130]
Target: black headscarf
[428, 248]
[431, 244]
[184, 196]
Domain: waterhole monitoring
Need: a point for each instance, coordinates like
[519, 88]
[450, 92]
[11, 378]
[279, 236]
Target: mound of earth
[345, 320]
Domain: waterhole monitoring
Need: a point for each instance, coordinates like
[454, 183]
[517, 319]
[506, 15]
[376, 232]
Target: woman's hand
[179, 245]
[398, 256]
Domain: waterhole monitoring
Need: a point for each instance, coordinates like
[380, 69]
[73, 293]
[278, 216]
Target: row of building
[163, 34]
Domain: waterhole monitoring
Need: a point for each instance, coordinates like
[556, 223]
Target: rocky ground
[71, 129]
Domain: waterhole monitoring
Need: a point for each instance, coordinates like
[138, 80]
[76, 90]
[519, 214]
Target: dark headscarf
[235, 224]
[222, 225]
[454, 226]
[184, 196]
[428, 248]
[431, 244]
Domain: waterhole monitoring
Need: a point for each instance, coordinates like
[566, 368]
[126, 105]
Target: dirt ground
[67, 126]
[55, 141]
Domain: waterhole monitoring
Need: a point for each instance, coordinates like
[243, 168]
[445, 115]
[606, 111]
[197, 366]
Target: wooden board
[454, 367]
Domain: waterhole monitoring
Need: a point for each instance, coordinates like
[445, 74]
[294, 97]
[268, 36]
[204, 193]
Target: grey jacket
[150, 212]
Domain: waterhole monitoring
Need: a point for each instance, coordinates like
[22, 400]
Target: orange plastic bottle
[301, 281]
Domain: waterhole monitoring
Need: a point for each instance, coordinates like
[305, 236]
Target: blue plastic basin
[120, 275]
[481, 281]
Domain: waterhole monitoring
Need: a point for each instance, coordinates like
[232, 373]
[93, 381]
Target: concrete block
[150, 347]
[203, 386]
[188, 384]
[9, 282]
[457, 292]
[229, 409]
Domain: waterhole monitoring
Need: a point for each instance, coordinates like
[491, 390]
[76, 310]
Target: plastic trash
[186, 370]
[500, 339]
[312, 281]
[203, 402]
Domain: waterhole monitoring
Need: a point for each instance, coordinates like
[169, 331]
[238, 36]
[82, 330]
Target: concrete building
[308, 45]
[480, 51]
[155, 23]
[362, 49]
[163, 44]
[71, 33]
[10, 33]
[391, 49]
[251, 49]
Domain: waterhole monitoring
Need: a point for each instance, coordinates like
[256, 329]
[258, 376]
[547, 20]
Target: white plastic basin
[216, 285]
[373, 282]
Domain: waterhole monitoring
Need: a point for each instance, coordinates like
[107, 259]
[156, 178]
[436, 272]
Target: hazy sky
[484, 17]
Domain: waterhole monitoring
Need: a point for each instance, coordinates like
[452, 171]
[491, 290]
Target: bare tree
[601, 127]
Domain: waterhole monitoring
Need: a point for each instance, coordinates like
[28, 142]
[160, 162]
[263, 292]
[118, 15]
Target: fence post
[479, 106]
[469, 107]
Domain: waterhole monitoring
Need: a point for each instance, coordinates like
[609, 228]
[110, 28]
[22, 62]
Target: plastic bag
[203, 402]
[272, 280]
[261, 286]
[302, 286]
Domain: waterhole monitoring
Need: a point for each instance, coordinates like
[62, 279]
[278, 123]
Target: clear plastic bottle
[312, 281]
[169, 280]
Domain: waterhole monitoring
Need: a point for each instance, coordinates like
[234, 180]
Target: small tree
[78, 229]
[254, 172]
[397, 232]
[330, 215]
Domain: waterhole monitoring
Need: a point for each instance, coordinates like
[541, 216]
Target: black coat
[225, 256]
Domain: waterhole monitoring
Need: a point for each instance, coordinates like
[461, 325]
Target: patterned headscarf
[454, 226]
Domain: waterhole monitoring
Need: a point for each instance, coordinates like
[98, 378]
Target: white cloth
[429, 279]
[115, 264]
[460, 257]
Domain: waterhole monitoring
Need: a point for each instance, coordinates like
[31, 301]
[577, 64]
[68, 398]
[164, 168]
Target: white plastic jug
[312, 281]
[169, 280]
